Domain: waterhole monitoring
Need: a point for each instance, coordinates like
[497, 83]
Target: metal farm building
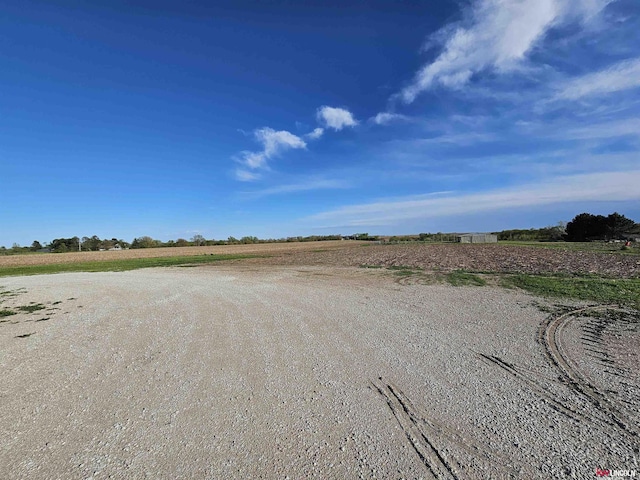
[477, 238]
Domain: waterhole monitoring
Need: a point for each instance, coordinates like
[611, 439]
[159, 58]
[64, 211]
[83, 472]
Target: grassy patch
[5, 312]
[404, 271]
[119, 265]
[461, 278]
[602, 290]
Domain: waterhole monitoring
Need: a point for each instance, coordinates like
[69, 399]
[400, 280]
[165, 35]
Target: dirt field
[477, 258]
[264, 371]
[258, 249]
[441, 257]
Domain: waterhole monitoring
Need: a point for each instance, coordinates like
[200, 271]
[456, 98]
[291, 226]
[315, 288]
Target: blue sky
[283, 118]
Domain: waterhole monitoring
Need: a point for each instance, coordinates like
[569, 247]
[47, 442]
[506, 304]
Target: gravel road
[308, 372]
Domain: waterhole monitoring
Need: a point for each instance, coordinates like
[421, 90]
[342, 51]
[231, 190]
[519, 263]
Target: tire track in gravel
[555, 404]
[608, 411]
[414, 429]
[550, 335]
[433, 442]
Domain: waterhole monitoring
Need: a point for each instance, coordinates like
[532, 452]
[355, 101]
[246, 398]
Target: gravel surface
[307, 372]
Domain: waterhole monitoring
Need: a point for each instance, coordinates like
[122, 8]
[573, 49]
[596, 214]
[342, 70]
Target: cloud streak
[606, 186]
[302, 186]
[624, 75]
[496, 34]
[386, 118]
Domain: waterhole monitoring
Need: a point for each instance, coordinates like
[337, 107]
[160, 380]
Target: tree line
[587, 227]
[584, 227]
[94, 243]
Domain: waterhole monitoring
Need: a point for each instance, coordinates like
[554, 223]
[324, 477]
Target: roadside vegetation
[578, 261]
[621, 291]
[618, 291]
[119, 265]
[96, 244]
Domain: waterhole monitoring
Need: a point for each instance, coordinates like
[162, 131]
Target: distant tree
[618, 225]
[61, 245]
[586, 227]
[145, 242]
[62, 248]
[232, 240]
[91, 243]
[181, 242]
[198, 240]
[35, 246]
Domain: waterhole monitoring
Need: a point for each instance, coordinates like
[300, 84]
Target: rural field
[321, 360]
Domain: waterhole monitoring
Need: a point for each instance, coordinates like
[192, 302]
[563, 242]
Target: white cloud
[385, 118]
[276, 142]
[336, 118]
[302, 186]
[246, 176]
[605, 130]
[497, 34]
[253, 159]
[459, 139]
[603, 186]
[273, 143]
[621, 76]
[316, 134]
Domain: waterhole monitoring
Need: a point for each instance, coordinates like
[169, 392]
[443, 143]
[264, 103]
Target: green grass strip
[624, 291]
[460, 278]
[118, 265]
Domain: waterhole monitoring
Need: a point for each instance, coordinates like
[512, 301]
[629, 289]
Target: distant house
[116, 247]
[632, 237]
[477, 238]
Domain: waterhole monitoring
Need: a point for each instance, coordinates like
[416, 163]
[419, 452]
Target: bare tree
[198, 240]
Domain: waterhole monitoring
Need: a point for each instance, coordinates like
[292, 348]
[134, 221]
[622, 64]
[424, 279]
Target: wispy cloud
[315, 134]
[335, 118]
[603, 130]
[459, 139]
[624, 75]
[496, 34]
[607, 186]
[246, 175]
[273, 143]
[385, 118]
[305, 185]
